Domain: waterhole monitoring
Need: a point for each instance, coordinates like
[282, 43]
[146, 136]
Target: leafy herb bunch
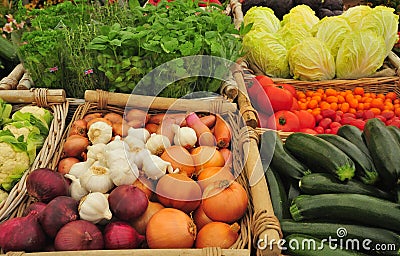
[158, 34]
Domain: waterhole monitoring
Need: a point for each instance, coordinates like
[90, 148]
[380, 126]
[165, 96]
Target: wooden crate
[53, 100]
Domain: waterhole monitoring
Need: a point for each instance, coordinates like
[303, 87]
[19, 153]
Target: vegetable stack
[323, 184]
[138, 180]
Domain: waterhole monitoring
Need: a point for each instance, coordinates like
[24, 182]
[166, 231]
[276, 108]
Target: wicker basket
[53, 100]
[100, 101]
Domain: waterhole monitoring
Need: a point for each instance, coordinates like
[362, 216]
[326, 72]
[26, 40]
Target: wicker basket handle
[11, 81]
[39, 96]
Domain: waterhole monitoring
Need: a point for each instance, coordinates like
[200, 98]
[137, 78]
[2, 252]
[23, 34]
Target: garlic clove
[184, 136]
[139, 133]
[123, 172]
[157, 143]
[154, 167]
[75, 189]
[94, 207]
[80, 168]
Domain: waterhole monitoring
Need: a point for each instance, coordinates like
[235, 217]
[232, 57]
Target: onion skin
[79, 235]
[22, 234]
[113, 117]
[78, 127]
[91, 116]
[227, 154]
[222, 133]
[179, 157]
[178, 191]
[127, 202]
[165, 128]
[140, 223]
[120, 235]
[99, 119]
[65, 164]
[44, 184]
[36, 207]
[152, 128]
[225, 201]
[170, 228]
[137, 115]
[205, 156]
[209, 120]
[217, 234]
[200, 218]
[144, 184]
[74, 146]
[203, 133]
[211, 175]
[58, 212]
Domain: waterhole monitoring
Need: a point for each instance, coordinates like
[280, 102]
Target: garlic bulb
[123, 172]
[75, 189]
[139, 133]
[100, 132]
[97, 178]
[134, 143]
[97, 152]
[184, 136]
[94, 207]
[154, 167]
[157, 143]
[80, 168]
[138, 156]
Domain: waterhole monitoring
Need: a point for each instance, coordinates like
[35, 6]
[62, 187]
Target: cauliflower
[13, 164]
[37, 116]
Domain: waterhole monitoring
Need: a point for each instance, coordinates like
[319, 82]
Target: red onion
[45, 184]
[58, 212]
[120, 235]
[127, 202]
[22, 234]
[79, 235]
[36, 206]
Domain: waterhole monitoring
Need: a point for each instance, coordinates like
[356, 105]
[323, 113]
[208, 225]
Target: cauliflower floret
[18, 131]
[12, 165]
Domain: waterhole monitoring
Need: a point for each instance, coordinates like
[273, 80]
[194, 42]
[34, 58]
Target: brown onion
[225, 201]
[22, 234]
[144, 184]
[113, 117]
[91, 116]
[79, 235]
[78, 127]
[179, 157]
[36, 207]
[58, 212]
[152, 128]
[140, 223]
[206, 156]
[74, 146]
[178, 191]
[44, 184]
[120, 235]
[170, 228]
[217, 234]
[227, 154]
[200, 218]
[137, 115]
[210, 175]
[65, 164]
[127, 202]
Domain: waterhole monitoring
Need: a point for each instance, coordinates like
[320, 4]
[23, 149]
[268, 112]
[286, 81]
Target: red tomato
[358, 123]
[324, 123]
[334, 124]
[319, 129]
[290, 88]
[295, 105]
[347, 120]
[349, 115]
[263, 103]
[388, 114]
[308, 130]
[318, 118]
[285, 121]
[368, 114]
[382, 118]
[265, 80]
[279, 97]
[262, 120]
[307, 120]
[335, 129]
[328, 113]
[395, 123]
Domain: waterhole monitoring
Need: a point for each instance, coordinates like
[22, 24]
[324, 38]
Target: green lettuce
[5, 112]
[354, 14]
[311, 60]
[292, 34]
[267, 52]
[332, 30]
[360, 55]
[262, 18]
[301, 14]
[37, 116]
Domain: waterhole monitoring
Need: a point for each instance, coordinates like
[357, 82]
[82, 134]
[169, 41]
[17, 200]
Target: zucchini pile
[342, 191]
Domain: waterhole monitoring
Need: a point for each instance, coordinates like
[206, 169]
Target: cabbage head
[267, 52]
[355, 14]
[311, 60]
[263, 18]
[332, 30]
[360, 55]
[301, 14]
[292, 34]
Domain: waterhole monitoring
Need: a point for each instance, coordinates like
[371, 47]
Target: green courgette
[384, 151]
[340, 233]
[353, 134]
[395, 132]
[305, 245]
[325, 183]
[320, 155]
[278, 194]
[273, 153]
[354, 208]
[365, 169]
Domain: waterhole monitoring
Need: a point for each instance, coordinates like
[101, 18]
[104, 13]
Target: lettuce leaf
[301, 14]
[263, 18]
[292, 34]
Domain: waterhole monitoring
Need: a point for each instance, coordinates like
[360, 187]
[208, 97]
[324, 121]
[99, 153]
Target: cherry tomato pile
[282, 107]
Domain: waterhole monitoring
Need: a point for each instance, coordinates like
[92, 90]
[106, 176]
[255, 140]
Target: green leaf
[126, 63]
[170, 45]
[186, 48]
[116, 42]
[245, 29]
